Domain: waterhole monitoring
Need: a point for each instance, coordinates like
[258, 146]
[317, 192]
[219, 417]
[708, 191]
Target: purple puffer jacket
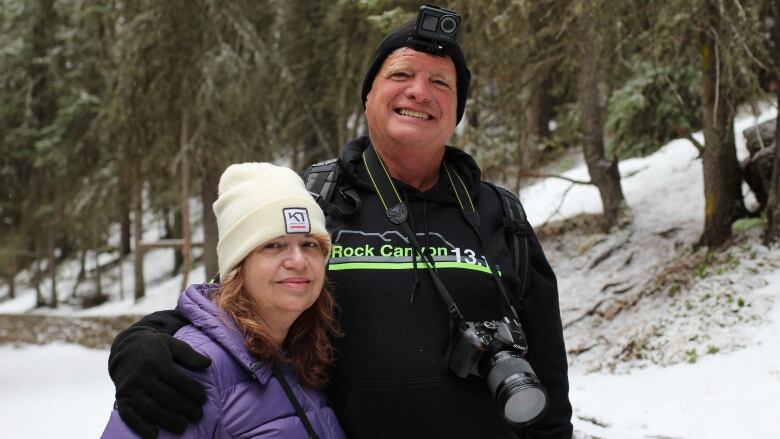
[244, 399]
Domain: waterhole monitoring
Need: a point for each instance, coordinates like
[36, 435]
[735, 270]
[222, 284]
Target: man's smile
[412, 113]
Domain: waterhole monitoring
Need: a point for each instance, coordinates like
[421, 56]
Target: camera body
[495, 350]
[477, 338]
[437, 25]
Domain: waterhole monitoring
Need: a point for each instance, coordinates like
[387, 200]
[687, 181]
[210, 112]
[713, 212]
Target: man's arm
[541, 319]
[151, 390]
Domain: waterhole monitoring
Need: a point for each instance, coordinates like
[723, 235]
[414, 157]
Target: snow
[720, 396]
[711, 369]
[54, 391]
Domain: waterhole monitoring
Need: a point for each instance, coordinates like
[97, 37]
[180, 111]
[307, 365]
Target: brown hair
[307, 341]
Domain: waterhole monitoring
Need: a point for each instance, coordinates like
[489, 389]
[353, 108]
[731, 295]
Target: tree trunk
[173, 227]
[536, 121]
[603, 172]
[138, 232]
[185, 201]
[312, 152]
[541, 107]
[208, 194]
[43, 104]
[124, 227]
[52, 268]
[772, 230]
[121, 276]
[39, 302]
[44, 98]
[98, 275]
[82, 273]
[722, 180]
[10, 276]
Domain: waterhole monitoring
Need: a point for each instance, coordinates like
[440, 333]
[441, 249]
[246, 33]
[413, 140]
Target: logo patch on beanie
[296, 220]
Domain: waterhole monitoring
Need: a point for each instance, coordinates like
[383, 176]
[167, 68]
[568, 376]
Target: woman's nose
[295, 258]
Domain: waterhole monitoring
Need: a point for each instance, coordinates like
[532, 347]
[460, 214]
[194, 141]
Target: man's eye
[399, 75]
[272, 245]
[311, 244]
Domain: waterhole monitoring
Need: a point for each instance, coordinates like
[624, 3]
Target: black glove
[151, 390]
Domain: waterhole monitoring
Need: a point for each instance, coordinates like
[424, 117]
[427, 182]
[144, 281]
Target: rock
[757, 169]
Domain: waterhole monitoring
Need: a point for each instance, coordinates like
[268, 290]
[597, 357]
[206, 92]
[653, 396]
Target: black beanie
[402, 37]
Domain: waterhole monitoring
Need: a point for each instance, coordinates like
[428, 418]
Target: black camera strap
[398, 214]
[279, 375]
[472, 217]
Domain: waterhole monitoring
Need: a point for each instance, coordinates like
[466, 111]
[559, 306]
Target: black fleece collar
[354, 170]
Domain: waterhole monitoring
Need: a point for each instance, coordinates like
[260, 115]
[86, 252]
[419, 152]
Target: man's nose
[419, 89]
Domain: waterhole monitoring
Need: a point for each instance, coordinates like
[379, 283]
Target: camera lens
[521, 397]
[448, 24]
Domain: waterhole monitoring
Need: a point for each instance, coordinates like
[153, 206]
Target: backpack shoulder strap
[322, 181]
[517, 229]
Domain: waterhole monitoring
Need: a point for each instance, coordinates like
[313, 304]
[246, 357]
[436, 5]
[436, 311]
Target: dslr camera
[436, 25]
[495, 350]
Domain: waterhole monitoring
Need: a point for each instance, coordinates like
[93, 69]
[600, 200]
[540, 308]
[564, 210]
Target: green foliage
[387, 20]
[716, 263]
[744, 224]
[653, 106]
[692, 356]
[674, 289]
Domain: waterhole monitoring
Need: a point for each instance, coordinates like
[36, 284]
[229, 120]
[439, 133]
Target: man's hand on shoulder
[151, 390]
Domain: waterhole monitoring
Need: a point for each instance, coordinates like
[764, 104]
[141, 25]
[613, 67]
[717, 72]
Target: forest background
[115, 112]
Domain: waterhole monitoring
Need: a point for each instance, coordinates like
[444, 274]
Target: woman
[265, 327]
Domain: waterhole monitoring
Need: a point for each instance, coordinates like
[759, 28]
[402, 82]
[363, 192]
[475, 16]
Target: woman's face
[284, 276]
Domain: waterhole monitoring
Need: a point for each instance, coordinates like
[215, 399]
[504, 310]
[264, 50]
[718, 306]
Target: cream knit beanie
[258, 202]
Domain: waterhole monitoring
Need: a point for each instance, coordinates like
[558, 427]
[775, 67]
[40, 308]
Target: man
[391, 378]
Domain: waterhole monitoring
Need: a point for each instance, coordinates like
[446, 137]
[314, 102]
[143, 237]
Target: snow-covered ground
[729, 386]
[734, 395]
[54, 391]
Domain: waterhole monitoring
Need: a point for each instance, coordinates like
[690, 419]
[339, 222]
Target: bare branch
[747, 48]
[633, 173]
[742, 14]
[687, 135]
[698, 145]
[558, 208]
[716, 48]
[544, 175]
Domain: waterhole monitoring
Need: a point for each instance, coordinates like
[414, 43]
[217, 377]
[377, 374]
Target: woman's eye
[311, 244]
[272, 245]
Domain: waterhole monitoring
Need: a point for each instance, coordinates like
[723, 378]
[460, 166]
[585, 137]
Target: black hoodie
[390, 380]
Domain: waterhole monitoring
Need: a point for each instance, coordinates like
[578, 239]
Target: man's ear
[368, 98]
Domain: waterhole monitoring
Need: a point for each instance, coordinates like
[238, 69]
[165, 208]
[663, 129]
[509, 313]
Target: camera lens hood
[521, 397]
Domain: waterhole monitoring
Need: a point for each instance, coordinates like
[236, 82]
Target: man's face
[413, 100]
